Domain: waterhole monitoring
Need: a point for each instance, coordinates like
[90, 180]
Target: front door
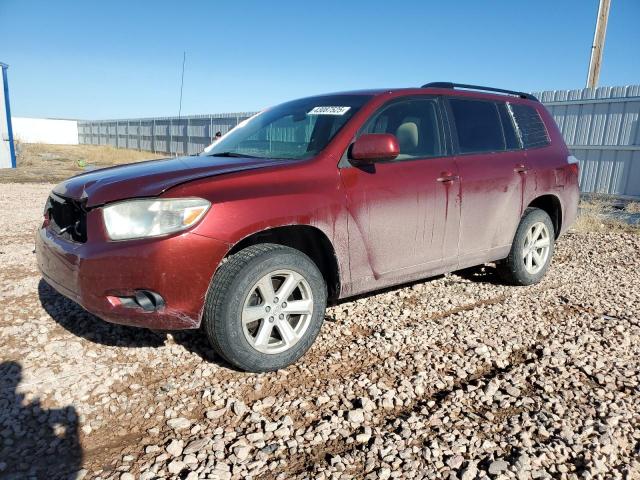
[403, 213]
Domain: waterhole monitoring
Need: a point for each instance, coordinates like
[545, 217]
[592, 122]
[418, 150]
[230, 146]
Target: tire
[515, 269]
[239, 293]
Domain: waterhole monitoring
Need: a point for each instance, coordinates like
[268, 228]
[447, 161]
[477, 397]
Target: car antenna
[184, 59]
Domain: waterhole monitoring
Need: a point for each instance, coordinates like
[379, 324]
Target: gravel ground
[456, 377]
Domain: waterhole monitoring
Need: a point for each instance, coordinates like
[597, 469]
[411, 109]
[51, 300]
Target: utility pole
[598, 44]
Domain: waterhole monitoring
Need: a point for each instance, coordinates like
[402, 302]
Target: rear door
[493, 170]
[404, 213]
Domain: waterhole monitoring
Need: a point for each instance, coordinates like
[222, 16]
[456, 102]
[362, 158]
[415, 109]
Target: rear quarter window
[530, 126]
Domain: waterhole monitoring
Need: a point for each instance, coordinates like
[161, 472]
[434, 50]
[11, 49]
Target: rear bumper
[179, 268]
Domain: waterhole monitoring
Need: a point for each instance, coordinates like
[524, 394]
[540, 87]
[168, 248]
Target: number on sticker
[329, 110]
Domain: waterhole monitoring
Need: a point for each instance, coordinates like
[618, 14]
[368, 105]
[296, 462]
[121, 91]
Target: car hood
[151, 178]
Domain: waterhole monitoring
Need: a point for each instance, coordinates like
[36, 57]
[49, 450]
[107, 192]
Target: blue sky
[117, 59]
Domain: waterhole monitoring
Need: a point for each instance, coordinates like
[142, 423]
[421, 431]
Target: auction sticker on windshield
[329, 110]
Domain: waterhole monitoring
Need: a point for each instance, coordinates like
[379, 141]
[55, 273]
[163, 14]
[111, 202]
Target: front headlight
[152, 217]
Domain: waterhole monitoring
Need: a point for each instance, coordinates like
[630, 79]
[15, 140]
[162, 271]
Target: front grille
[67, 218]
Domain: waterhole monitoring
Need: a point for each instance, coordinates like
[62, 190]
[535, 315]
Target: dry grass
[632, 207]
[38, 162]
[592, 217]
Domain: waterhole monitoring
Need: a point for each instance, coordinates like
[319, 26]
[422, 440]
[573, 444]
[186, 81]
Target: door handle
[521, 168]
[447, 177]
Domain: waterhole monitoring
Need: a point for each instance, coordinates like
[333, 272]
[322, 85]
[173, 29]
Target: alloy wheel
[536, 248]
[277, 311]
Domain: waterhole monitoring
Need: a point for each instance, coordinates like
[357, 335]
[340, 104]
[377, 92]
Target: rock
[367, 404]
[491, 389]
[242, 452]
[455, 462]
[127, 476]
[179, 423]
[384, 473]
[151, 449]
[269, 449]
[356, 416]
[175, 448]
[270, 426]
[239, 408]
[471, 472]
[212, 413]
[498, 466]
[196, 446]
[190, 459]
[175, 467]
[255, 437]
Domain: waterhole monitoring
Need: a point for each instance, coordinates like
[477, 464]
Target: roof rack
[478, 87]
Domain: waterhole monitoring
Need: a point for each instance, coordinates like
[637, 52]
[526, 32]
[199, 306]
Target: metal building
[7, 149]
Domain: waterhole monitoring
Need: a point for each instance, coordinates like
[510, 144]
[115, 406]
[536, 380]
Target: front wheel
[265, 307]
[531, 250]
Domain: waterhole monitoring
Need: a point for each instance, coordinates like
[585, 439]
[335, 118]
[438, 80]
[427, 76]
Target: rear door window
[530, 126]
[478, 126]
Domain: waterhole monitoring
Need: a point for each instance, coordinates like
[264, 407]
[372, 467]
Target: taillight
[574, 165]
[574, 168]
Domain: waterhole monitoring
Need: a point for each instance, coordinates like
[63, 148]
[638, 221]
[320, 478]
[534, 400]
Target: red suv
[310, 202]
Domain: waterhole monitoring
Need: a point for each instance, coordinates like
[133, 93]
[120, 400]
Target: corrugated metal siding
[601, 127]
[172, 135]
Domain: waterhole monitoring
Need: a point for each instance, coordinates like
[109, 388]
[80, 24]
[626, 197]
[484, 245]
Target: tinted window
[510, 135]
[478, 126]
[415, 124]
[531, 127]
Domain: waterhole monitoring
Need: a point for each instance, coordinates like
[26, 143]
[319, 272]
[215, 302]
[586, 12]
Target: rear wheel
[265, 307]
[531, 250]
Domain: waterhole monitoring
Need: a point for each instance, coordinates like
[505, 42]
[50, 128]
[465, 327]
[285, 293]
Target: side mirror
[374, 146]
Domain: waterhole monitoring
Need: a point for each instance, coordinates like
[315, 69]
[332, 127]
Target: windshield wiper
[233, 154]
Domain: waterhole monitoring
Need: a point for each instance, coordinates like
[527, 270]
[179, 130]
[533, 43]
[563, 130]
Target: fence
[601, 127]
[180, 136]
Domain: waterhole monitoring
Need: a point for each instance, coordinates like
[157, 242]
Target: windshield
[294, 130]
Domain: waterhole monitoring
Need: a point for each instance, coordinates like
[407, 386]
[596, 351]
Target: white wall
[45, 130]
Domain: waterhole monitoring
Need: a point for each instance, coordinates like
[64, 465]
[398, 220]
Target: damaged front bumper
[105, 277]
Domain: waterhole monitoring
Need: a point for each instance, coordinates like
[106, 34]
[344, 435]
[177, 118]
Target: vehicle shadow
[75, 319]
[37, 442]
[481, 274]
